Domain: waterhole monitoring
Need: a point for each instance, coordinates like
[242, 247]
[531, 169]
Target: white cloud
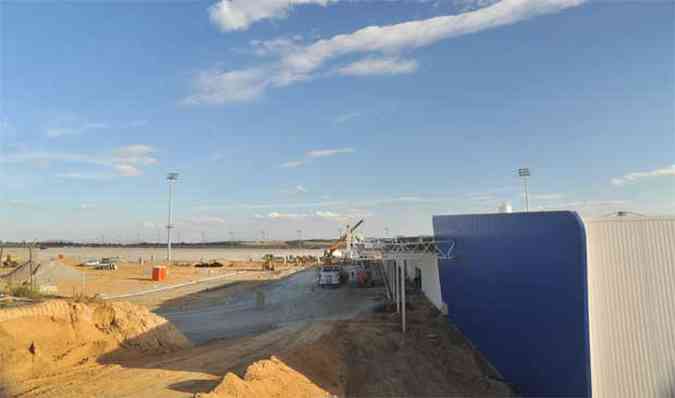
[379, 66]
[206, 220]
[240, 14]
[135, 154]
[277, 215]
[296, 190]
[293, 164]
[588, 207]
[213, 87]
[54, 132]
[320, 153]
[543, 196]
[316, 153]
[347, 117]
[421, 33]
[83, 176]
[328, 214]
[303, 62]
[149, 224]
[276, 46]
[127, 170]
[87, 206]
[125, 161]
[633, 177]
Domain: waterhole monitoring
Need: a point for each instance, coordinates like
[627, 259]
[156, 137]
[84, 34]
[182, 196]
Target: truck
[329, 276]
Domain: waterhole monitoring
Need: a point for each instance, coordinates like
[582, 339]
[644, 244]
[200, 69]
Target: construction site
[337, 198]
[274, 326]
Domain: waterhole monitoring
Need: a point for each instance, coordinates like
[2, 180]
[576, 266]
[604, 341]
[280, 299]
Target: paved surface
[286, 301]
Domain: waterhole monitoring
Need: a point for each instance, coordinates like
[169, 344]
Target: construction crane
[340, 242]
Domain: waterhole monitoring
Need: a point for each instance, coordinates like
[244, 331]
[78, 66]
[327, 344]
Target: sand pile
[267, 378]
[39, 339]
[370, 357]
[42, 274]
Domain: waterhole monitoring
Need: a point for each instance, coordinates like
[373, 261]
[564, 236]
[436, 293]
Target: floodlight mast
[171, 178]
[524, 173]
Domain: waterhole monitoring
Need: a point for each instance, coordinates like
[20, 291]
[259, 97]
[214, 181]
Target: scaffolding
[399, 250]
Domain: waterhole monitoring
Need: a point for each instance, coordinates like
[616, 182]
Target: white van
[329, 276]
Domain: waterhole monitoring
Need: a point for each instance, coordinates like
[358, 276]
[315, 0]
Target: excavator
[328, 257]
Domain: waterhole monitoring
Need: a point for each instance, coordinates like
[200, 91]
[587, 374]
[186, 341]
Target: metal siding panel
[632, 310]
[517, 289]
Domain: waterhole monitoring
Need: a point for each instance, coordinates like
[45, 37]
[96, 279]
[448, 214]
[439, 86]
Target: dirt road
[286, 302]
[303, 341]
[179, 374]
[296, 312]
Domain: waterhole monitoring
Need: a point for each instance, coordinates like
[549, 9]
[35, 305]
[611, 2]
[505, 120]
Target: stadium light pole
[171, 178]
[524, 173]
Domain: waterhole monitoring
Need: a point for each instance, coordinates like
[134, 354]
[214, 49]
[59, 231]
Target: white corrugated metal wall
[428, 265]
[631, 281]
[431, 284]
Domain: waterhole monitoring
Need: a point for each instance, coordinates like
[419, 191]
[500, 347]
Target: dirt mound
[370, 357]
[267, 378]
[42, 274]
[37, 340]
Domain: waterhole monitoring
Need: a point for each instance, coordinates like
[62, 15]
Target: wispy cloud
[135, 154]
[379, 66]
[296, 190]
[303, 62]
[240, 14]
[214, 87]
[278, 215]
[127, 170]
[67, 127]
[636, 176]
[277, 46]
[315, 154]
[84, 176]
[336, 204]
[321, 153]
[54, 132]
[205, 220]
[293, 164]
[126, 161]
[320, 214]
[345, 117]
[544, 196]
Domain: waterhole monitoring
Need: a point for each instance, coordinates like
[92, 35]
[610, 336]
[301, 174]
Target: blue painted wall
[517, 289]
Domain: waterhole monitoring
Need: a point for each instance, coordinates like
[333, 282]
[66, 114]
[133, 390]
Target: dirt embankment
[50, 337]
[370, 357]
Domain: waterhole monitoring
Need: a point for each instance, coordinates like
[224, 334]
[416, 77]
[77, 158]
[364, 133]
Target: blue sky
[287, 115]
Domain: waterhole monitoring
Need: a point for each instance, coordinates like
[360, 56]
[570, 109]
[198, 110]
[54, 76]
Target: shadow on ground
[366, 356]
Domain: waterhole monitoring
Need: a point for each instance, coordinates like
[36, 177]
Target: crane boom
[341, 240]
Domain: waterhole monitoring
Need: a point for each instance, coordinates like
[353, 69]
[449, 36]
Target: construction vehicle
[343, 241]
[329, 276]
[269, 260]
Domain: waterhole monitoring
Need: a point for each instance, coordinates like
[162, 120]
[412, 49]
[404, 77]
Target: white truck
[329, 276]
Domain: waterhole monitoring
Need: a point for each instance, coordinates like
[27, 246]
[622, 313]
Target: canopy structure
[401, 247]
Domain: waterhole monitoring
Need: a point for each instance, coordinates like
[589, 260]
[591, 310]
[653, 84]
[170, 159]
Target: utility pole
[171, 178]
[524, 173]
